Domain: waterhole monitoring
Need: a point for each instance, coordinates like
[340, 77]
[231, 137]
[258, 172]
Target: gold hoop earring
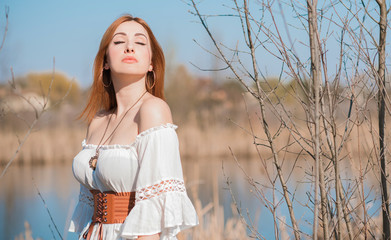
[106, 86]
[154, 81]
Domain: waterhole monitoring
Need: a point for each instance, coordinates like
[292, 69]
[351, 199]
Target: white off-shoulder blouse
[151, 167]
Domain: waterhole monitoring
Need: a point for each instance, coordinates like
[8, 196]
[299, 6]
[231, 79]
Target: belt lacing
[109, 207]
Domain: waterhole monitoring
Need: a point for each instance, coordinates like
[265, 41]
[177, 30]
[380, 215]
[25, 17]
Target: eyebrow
[140, 34]
[119, 33]
[124, 34]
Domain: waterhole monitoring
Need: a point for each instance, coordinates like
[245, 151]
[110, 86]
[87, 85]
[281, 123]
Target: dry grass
[211, 227]
[46, 146]
[60, 144]
[27, 235]
[213, 224]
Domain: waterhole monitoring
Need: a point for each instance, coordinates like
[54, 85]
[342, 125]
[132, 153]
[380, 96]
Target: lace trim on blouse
[127, 146]
[170, 185]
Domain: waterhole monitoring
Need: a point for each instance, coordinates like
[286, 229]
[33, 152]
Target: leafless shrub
[336, 115]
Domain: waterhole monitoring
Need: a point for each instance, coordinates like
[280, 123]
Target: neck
[127, 92]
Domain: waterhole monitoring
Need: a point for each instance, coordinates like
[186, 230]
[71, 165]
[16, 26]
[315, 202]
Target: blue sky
[71, 31]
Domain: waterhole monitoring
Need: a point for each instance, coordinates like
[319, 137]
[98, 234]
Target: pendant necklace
[94, 159]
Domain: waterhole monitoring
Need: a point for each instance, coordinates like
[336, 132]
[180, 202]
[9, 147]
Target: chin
[129, 74]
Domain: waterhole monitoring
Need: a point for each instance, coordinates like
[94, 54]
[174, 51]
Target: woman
[130, 174]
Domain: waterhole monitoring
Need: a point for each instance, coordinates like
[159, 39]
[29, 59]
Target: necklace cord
[108, 123]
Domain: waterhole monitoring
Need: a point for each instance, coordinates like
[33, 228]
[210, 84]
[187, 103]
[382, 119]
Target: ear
[106, 66]
[150, 69]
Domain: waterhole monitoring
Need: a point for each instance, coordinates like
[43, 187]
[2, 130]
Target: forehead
[131, 28]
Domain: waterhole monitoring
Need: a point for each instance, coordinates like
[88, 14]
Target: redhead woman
[129, 169]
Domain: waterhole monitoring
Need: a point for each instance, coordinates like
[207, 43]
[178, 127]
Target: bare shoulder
[154, 112]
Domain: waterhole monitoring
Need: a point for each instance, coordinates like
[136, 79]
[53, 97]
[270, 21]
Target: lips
[129, 59]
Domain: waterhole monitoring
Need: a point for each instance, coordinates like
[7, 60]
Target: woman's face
[129, 52]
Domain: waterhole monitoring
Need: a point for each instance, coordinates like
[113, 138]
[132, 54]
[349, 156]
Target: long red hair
[102, 95]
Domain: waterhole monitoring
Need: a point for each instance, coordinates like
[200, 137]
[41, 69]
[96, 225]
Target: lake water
[21, 202]
[205, 180]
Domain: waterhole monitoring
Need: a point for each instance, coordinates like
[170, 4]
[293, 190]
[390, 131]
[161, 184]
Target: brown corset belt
[110, 207]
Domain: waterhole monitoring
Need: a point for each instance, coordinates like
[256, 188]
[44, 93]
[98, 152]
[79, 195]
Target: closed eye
[140, 43]
[118, 42]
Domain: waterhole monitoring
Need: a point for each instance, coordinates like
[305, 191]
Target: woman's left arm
[150, 237]
[162, 207]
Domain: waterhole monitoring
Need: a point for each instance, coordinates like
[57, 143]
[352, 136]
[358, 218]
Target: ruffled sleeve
[162, 205]
[83, 211]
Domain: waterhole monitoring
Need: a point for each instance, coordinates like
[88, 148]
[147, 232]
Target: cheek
[144, 55]
[113, 54]
[148, 55]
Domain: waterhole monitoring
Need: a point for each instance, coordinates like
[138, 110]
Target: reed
[46, 146]
[27, 235]
[209, 229]
[59, 144]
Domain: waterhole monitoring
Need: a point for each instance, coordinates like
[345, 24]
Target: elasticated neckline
[139, 136]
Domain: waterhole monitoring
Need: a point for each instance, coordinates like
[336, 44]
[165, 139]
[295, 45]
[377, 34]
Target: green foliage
[234, 90]
[203, 97]
[40, 83]
[277, 90]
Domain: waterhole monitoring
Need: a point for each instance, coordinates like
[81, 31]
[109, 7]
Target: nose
[129, 48]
